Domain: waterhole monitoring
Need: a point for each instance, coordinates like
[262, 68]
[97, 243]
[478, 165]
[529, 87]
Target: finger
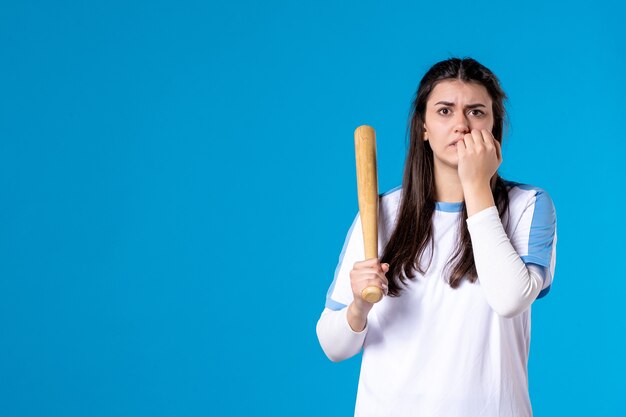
[469, 142]
[370, 273]
[368, 263]
[362, 275]
[490, 141]
[461, 148]
[487, 136]
[384, 279]
[367, 275]
[479, 141]
[375, 283]
[379, 267]
[498, 146]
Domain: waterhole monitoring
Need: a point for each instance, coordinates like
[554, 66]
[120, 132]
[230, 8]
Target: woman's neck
[448, 186]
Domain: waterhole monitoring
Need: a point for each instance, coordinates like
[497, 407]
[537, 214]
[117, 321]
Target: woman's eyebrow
[469, 106]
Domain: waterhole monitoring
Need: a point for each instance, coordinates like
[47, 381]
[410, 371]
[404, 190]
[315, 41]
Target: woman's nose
[461, 124]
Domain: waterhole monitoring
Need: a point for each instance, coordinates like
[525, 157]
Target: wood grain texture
[367, 186]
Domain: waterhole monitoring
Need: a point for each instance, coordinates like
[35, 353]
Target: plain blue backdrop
[177, 179]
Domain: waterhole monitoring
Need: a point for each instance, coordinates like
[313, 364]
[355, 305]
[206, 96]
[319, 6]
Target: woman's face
[453, 109]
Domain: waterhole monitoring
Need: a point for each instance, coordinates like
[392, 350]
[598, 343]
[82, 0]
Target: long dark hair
[413, 233]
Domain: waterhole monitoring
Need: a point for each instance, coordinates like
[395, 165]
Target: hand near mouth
[480, 155]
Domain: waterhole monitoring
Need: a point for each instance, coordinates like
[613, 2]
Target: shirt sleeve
[336, 337]
[509, 286]
[535, 236]
[339, 293]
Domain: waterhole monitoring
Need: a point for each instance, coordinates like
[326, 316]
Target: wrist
[476, 186]
[360, 308]
[357, 320]
[478, 196]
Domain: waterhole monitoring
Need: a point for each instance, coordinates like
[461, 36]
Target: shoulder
[533, 227]
[391, 193]
[523, 194]
[526, 200]
[390, 199]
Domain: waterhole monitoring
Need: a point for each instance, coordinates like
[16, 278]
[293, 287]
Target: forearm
[509, 286]
[336, 336]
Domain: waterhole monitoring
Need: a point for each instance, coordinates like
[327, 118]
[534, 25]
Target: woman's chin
[449, 162]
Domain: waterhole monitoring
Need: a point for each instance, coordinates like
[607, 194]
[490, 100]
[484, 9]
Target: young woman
[464, 255]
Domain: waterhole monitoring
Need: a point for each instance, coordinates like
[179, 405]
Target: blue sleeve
[541, 237]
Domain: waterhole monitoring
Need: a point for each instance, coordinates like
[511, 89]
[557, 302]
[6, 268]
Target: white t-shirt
[437, 351]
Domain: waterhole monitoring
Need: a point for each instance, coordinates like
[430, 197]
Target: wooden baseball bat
[367, 186]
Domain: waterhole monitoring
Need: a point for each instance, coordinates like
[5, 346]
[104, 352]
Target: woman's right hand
[368, 273]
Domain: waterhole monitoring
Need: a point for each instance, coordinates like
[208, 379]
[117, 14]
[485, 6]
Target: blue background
[177, 179]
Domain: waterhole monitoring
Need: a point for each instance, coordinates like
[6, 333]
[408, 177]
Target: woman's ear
[425, 133]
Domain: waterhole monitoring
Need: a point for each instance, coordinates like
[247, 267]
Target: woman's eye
[474, 112]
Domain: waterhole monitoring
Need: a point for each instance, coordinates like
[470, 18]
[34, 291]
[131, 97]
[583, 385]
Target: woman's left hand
[480, 155]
